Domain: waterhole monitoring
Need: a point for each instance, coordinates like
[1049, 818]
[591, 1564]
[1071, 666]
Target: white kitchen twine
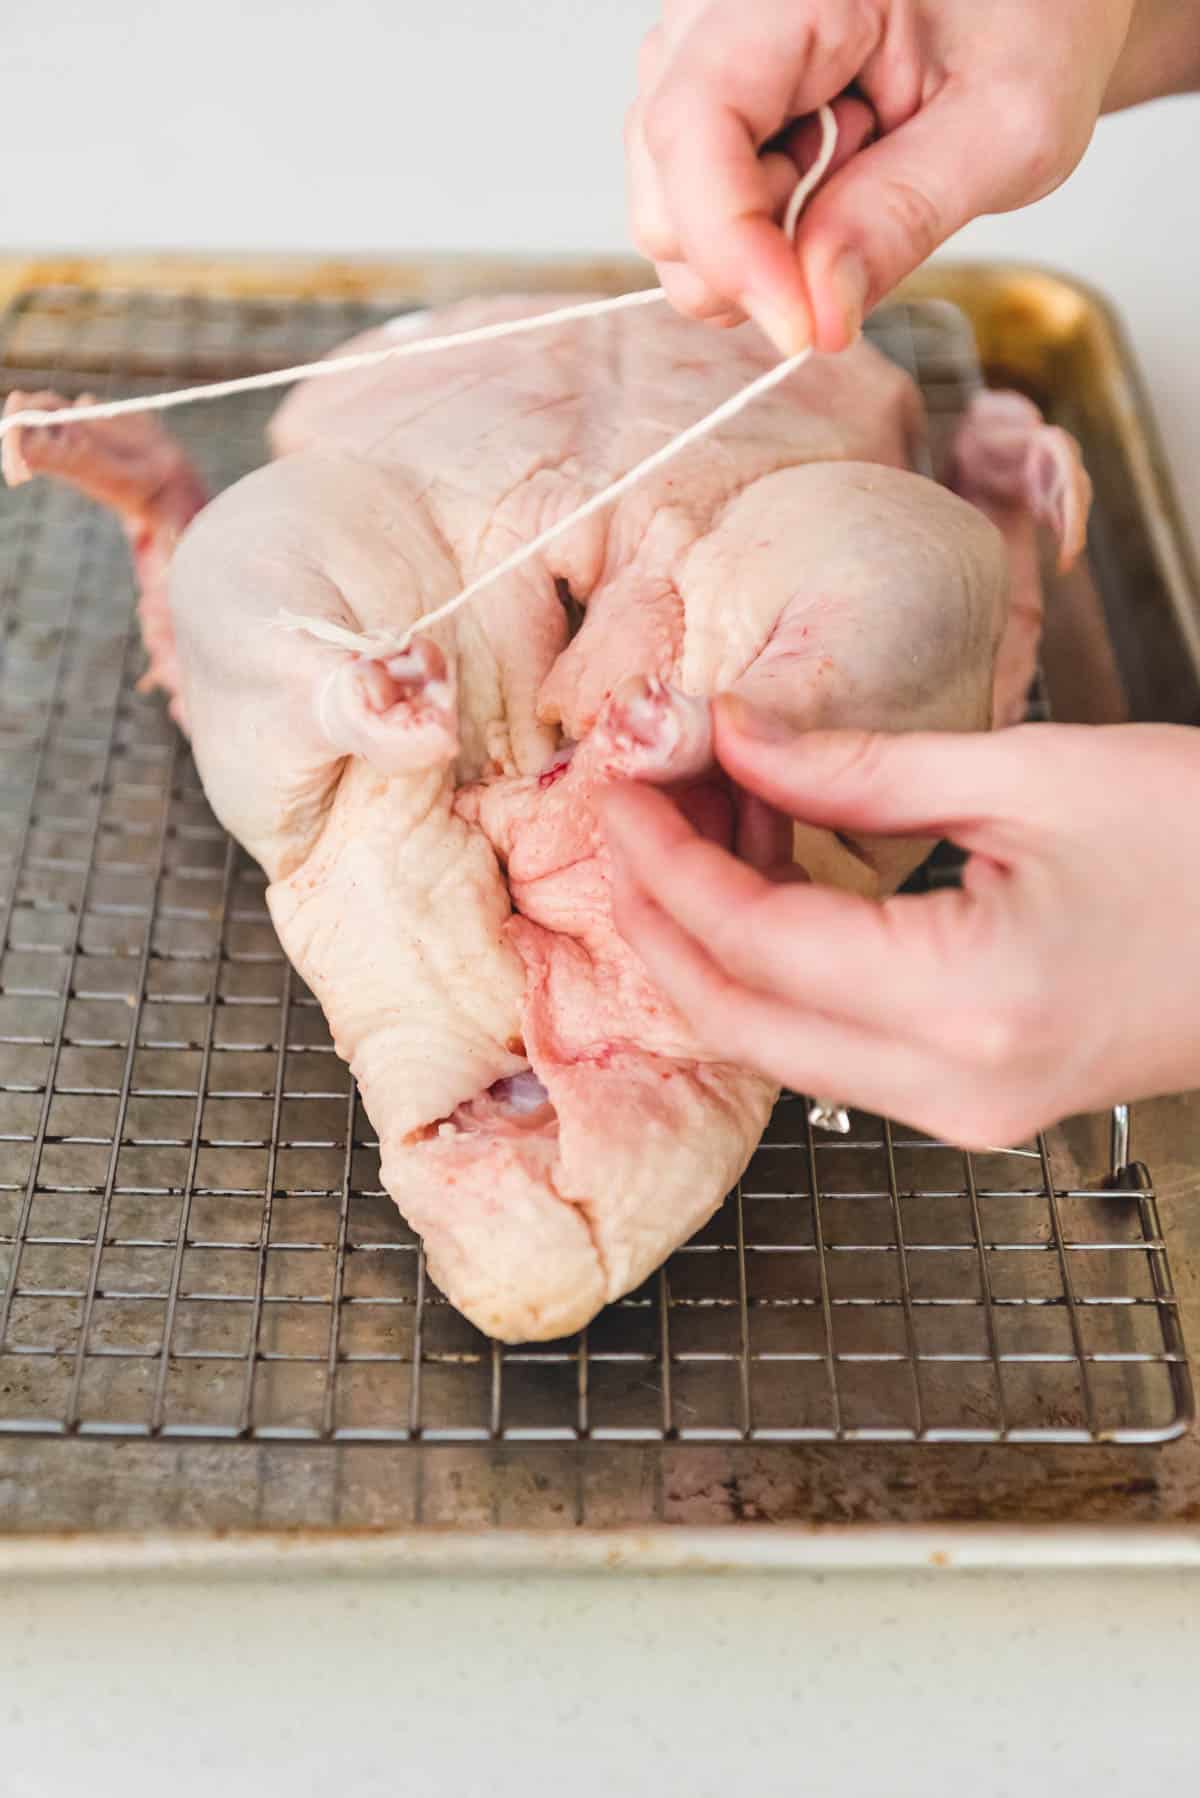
[373, 642]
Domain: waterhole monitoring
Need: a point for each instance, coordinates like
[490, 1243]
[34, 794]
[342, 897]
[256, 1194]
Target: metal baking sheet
[201, 1246]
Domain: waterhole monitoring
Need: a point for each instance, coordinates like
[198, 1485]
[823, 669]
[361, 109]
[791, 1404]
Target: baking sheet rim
[663, 1550]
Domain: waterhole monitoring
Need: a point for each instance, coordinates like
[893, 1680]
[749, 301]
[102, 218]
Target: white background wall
[471, 124]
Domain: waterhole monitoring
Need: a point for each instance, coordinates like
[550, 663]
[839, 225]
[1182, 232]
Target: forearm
[1161, 54]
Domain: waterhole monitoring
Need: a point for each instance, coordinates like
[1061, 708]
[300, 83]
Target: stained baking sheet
[190, 1214]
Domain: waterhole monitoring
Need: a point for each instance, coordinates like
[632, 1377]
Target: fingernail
[790, 332]
[755, 721]
[850, 283]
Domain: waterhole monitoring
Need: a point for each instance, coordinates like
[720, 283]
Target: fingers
[987, 792]
[723, 206]
[649, 216]
[936, 1010]
[796, 149]
[832, 952]
[694, 298]
[722, 82]
[694, 876]
[958, 1012]
[678, 18]
[877, 220]
[650, 221]
[782, 167]
[798, 1048]
[683, 970]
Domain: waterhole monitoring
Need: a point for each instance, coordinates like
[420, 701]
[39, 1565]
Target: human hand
[1064, 976]
[977, 109]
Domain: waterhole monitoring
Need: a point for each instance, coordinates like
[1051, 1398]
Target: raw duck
[547, 1122]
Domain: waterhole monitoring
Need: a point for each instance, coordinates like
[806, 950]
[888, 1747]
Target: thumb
[896, 202]
[987, 792]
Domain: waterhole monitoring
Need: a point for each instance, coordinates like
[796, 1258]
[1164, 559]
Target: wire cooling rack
[193, 1238]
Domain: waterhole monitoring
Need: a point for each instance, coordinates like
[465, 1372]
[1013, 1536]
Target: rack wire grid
[193, 1238]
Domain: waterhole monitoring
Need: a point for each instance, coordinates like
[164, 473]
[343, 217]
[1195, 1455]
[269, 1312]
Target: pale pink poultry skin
[437, 874]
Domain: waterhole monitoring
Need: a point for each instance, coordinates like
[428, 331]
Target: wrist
[1161, 54]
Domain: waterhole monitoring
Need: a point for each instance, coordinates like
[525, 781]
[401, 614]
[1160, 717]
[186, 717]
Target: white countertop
[909, 1685]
